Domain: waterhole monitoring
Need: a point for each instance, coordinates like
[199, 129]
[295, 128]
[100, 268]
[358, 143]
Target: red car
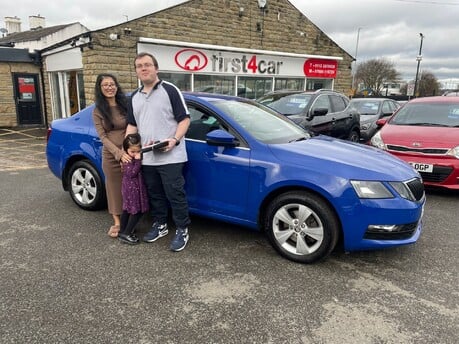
[425, 133]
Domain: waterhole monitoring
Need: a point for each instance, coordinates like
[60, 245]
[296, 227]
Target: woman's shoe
[113, 231]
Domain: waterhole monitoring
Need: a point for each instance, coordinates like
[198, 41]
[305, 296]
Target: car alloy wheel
[85, 186]
[302, 227]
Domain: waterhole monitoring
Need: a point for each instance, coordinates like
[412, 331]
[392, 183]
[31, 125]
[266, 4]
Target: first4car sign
[420, 167]
[200, 60]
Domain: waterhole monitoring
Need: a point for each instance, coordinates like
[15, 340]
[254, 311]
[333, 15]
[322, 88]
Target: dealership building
[240, 47]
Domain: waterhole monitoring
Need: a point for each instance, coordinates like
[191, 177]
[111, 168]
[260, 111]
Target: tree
[374, 73]
[428, 85]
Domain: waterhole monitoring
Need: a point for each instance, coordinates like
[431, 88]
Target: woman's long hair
[102, 103]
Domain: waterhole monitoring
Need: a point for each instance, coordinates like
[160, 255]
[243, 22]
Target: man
[159, 113]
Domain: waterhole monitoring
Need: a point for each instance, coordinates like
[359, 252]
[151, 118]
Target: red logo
[191, 59]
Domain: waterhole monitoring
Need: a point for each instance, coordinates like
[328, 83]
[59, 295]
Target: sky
[366, 29]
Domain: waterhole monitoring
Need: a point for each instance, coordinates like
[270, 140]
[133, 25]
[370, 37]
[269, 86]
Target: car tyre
[304, 216]
[85, 186]
[354, 136]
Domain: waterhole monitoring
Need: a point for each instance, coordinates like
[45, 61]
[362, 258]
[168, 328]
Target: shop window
[81, 94]
[67, 93]
[317, 84]
[254, 87]
[182, 81]
[214, 84]
[59, 94]
[291, 84]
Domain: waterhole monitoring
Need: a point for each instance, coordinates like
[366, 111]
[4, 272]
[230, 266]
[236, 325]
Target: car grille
[433, 151]
[438, 175]
[402, 232]
[417, 188]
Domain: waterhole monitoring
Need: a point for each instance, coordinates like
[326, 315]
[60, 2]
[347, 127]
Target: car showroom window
[182, 81]
[294, 84]
[214, 84]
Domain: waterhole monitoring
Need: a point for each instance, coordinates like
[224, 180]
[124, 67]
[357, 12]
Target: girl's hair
[131, 140]
[102, 103]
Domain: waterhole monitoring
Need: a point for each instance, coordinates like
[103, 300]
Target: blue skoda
[251, 166]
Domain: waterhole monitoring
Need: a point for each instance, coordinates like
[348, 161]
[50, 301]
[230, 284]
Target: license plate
[421, 167]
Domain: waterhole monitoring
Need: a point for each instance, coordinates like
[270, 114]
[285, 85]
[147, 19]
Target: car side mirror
[317, 112]
[220, 137]
[380, 122]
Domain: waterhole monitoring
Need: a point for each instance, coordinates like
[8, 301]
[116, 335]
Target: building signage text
[320, 68]
[194, 60]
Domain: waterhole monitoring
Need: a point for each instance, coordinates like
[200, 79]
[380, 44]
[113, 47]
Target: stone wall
[281, 28]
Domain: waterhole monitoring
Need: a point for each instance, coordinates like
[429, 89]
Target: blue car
[251, 166]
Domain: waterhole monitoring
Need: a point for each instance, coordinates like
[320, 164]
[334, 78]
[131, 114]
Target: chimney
[36, 22]
[12, 24]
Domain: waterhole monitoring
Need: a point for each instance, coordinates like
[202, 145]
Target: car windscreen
[293, 104]
[428, 114]
[261, 122]
[365, 107]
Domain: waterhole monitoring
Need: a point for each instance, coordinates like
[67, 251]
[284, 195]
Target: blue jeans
[165, 185]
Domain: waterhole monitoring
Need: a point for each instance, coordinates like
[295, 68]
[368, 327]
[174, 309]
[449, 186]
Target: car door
[343, 121]
[321, 124]
[217, 177]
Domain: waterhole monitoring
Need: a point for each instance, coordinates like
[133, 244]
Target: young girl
[133, 190]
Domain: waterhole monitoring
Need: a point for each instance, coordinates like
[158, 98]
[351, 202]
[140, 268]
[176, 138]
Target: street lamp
[418, 58]
[355, 61]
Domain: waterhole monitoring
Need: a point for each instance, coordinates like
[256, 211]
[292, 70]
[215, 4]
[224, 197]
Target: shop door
[27, 98]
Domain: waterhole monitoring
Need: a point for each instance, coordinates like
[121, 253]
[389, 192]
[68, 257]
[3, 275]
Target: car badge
[416, 144]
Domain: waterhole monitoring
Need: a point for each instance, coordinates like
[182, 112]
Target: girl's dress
[135, 197]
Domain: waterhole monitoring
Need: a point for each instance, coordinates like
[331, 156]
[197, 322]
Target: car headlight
[454, 152]
[403, 190]
[377, 141]
[365, 126]
[371, 189]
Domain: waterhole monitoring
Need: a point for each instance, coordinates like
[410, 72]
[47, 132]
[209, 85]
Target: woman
[109, 118]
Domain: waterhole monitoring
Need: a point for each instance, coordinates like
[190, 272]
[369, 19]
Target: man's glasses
[108, 85]
[145, 65]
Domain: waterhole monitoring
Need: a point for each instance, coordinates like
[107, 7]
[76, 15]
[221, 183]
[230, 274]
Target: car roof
[435, 99]
[211, 96]
[370, 99]
[286, 92]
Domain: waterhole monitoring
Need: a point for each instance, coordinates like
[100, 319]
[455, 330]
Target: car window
[322, 101]
[262, 123]
[434, 114]
[339, 103]
[387, 107]
[293, 104]
[201, 123]
[365, 107]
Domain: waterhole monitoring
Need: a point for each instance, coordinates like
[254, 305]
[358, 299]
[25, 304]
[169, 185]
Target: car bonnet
[425, 136]
[343, 159]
